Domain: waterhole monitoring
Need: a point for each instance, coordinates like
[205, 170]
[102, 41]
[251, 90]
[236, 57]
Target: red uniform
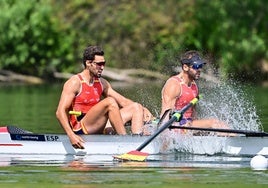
[186, 95]
[83, 101]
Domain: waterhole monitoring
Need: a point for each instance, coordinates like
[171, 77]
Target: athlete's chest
[90, 93]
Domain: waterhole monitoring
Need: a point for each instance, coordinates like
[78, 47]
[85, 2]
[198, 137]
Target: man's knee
[137, 107]
[111, 102]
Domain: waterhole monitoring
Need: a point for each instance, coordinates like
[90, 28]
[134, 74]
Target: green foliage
[32, 40]
[44, 36]
[134, 34]
[234, 32]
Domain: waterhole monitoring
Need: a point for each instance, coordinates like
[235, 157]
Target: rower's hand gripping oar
[137, 155]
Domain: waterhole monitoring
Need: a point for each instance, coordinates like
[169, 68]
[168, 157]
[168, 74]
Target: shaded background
[43, 37]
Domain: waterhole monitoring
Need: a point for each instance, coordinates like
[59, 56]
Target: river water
[32, 107]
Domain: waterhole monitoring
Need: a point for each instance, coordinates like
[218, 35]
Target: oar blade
[132, 156]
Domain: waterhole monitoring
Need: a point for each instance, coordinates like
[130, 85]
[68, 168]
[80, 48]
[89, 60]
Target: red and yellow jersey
[186, 95]
[88, 96]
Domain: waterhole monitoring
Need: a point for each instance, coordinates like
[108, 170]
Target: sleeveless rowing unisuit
[186, 95]
[89, 95]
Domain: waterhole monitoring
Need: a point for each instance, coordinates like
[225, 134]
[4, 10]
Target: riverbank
[112, 74]
[124, 76]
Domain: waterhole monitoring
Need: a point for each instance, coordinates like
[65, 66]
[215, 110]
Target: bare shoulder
[171, 82]
[109, 91]
[106, 86]
[105, 83]
[171, 87]
[72, 83]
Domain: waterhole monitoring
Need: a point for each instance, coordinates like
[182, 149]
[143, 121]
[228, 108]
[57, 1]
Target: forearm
[64, 122]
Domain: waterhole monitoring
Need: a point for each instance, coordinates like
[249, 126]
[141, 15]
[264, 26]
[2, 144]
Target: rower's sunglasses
[102, 63]
[197, 66]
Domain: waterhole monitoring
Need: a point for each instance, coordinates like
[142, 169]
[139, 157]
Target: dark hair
[90, 52]
[187, 56]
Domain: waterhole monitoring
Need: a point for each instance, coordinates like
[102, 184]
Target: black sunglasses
[197, 66]
[102, 63]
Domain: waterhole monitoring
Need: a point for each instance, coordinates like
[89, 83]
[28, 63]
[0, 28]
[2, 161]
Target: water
[33, 108]
[171, 170]
[231, 103]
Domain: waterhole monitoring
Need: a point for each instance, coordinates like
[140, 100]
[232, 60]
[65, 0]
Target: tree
[47, 36]
[234, 32]
[33, 41]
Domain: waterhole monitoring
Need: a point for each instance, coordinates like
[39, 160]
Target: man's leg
[209, 123]
[133, 113]
[96, 118]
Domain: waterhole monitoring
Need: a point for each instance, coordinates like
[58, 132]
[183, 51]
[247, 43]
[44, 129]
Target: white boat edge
[42, 144]
[60, 144]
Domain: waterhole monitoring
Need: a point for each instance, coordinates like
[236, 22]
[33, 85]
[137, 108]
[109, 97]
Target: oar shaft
[175, 117]
[163, 117]
[161, 129]
[245, 132]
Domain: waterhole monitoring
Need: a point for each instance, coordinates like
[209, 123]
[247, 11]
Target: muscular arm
[170, 91]
[70, 89]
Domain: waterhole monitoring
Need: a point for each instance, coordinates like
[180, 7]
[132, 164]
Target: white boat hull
[60, 144]
[40, 144]
[246, 145]
[210, 145]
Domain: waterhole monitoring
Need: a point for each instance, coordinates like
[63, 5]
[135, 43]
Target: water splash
[228, 102]
[174, 140]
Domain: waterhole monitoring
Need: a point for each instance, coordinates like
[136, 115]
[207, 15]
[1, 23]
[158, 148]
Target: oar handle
[77, 113]
[175, 117]
[178, 114]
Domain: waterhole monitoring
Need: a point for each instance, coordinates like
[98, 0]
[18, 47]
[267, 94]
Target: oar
[137, 155]
[245, 132]
[163, 117]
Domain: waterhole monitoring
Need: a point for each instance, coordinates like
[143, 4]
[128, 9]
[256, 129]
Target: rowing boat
[14, 140]
[237, 145]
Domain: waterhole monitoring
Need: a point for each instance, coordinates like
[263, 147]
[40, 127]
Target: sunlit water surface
[170, 170]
